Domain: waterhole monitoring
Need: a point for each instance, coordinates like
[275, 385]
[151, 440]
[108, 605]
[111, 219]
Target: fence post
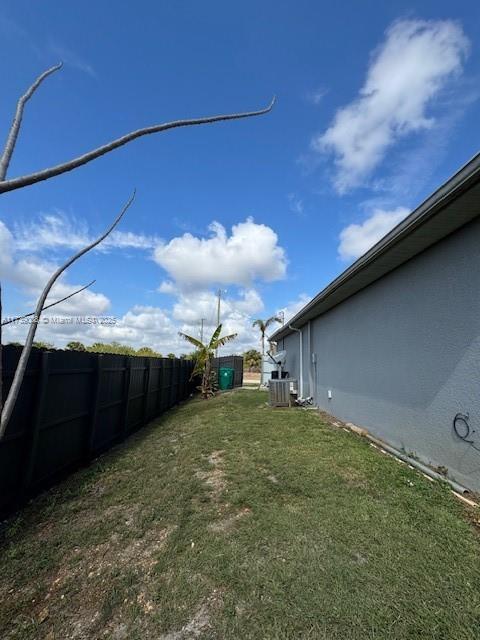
[126, 396]
[37, 419]
[146, 391]
[97, 380]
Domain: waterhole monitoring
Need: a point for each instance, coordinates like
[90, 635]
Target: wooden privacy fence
[235, 363]
[75, 405]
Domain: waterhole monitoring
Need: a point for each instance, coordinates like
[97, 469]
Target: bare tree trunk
[22, 363]
[1, 353]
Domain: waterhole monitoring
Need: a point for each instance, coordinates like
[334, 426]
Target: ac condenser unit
[282, 392]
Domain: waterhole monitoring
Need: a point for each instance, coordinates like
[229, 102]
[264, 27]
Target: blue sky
[377, 104]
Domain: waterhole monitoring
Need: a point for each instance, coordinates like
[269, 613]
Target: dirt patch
[95, 570]
[88, 517]
[216, 457]
[138, 554]
[214, 478]
[227, 524]
[200, 622]
[353, 478]
[359, 559]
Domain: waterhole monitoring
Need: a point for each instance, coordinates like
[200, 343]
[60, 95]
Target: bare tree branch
[45, 174]
[1, 352]
[17, 120]
[22, 363]
[52, 304]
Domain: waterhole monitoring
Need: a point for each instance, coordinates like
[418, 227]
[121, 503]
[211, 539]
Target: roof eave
[466, 178]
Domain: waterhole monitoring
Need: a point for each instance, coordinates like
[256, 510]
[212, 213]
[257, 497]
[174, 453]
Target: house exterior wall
[402, 356]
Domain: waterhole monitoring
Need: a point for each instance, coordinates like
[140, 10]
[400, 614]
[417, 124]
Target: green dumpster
[225, 378]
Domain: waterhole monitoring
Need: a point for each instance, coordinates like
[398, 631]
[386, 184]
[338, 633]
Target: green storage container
[225, 378]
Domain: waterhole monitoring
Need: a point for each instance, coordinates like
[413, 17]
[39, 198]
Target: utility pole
[219, 295]
[201, 329]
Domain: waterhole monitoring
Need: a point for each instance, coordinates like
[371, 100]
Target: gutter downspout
[311, 389]
[301, 357]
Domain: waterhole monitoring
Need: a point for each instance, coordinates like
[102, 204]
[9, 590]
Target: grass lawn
[228, 519]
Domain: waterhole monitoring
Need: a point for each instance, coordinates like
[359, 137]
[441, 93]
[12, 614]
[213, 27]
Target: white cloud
[236, 316]
[31, 273]
[251, 252]
[406, 72]
[250, 303]
[155, 327]
[191, 306]
[59, 231]
[356, 239]
[140, 326]
[316, 96]
[295, 204]
[69, 57]
[194, 264]
[294, 307]
[130, 240]
[6, 248]
[167, 286]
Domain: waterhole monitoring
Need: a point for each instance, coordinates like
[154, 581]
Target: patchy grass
[227, 519]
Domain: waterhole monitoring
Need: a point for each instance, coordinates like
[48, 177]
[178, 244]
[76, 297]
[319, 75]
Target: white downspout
[301, 358]
[311, 390]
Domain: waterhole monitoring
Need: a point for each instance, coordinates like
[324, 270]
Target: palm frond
[214, 338]
[224, 339]
[271, 320]
[192, 340]
[260, 324]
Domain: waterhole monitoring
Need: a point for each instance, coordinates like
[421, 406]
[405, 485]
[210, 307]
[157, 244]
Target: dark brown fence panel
[137, 392]
[174, 387]
[151, 407]
[167, 383]
[63, 416]
[111, 403]
[75, 405]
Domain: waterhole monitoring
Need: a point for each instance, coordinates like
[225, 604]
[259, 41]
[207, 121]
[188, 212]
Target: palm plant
[252, 359]
[263, 326]
[204, 356]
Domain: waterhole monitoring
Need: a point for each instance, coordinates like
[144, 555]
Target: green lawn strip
[228, 519]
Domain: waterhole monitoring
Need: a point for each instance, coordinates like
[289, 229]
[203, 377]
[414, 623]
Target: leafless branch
[22, 363]
[17, 120]
[45, 174]
[48, 306]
